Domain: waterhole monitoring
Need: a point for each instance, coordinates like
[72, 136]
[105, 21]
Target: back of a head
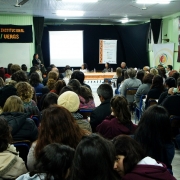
[120, 109]
[105, 90]
[119, 72]
[75, 84]
[1, 82]
[19, 76]
[58, 86]
[157, 82]
[24, 91]
[78, 75]
[178, 82]
[170, 82]
[140, 75]
[5, 135]
[68, 73]
[162, 72]
[13, 104]
[52, 78]
[94, 159]
[86, 93]
[58, 126]
[24, 67]
[147, 79]
[34, 79]
[154, 71]
[131, 72]
[55, 161]
[132, 150]
[69, 100]
[50, 99]
[15, 68]
[154, 130]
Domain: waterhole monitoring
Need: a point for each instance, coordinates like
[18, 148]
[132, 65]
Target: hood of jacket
[15, 120]
[147, 169]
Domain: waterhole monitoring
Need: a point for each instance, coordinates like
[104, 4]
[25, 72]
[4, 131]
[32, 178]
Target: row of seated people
[65, 151]
[119, 118]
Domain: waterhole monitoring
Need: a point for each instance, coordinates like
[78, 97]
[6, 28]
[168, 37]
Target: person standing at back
[105, 94]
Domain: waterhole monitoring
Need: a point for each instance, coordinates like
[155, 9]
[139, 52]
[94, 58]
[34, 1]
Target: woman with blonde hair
[23, 128]
[25, 92]
[1, 83]
[57, 126]
[67, 77]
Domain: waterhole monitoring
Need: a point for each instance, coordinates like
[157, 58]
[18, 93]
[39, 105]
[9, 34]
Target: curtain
[156, 28]
[38, 29]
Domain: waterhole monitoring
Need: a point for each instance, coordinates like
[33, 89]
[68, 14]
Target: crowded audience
[43, 107]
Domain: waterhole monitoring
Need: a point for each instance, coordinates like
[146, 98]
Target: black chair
[138, 110]
[23, 148]
[130, 92]
[85, 112]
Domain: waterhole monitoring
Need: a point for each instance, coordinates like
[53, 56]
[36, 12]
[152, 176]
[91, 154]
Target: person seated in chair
[12, 165]
[105, 93]
[131, 82]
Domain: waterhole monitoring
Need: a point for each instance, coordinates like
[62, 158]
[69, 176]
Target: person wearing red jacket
[132, 163]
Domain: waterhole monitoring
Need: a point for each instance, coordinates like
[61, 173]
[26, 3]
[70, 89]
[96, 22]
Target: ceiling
[102, 12]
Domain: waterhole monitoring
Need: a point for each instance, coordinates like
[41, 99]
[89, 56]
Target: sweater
[142, 90]
[111, 127]
[11, 165]
[129, 83]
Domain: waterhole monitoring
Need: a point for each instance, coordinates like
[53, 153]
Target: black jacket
[23, 128]
[99, 114]
[172, 104]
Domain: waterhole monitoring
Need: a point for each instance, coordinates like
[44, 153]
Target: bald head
[123, 65]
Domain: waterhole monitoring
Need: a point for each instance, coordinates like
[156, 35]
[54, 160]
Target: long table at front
[95, 79]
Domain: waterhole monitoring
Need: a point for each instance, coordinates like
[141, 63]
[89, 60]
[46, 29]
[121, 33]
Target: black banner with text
[16, 34]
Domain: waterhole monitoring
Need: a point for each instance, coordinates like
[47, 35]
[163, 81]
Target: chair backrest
[36, 120]
[130, 92]
[23, 148]
[39, 96]
[85, 112]
[107, 80]
[152, 102]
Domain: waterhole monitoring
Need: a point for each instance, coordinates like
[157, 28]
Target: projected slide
[66, 48]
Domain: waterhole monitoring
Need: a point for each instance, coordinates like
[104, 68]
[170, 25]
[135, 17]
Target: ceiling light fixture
[81, 1]
[125, 20]
[153, 1]
[69, 13]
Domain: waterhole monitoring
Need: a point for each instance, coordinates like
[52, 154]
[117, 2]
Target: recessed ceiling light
[69, 13]
[125, 20]
[82, 1]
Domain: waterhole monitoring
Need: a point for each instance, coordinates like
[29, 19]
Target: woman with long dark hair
[156, 89]
[94, 159]
[154, 135]
[35, 82]
[119, 122]
[57, 126]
